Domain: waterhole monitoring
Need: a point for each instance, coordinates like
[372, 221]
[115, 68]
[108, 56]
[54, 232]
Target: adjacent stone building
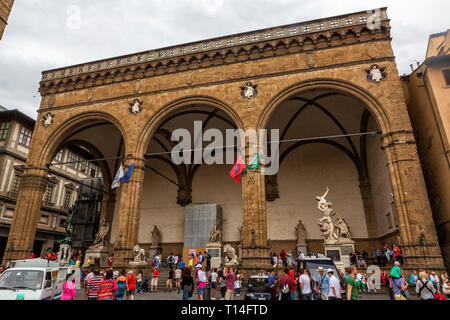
[61, 187]
[5, 10]
[313, 80]
[427, 92]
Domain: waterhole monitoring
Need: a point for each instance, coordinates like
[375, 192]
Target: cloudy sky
[45, 34]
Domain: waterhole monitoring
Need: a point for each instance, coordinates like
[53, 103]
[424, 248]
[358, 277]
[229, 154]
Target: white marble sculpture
[342, 231]
[139, 259]
[325, 223]
[215, 236]
[230, 255]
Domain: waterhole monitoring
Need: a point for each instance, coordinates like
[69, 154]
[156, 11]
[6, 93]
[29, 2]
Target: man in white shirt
[214, 276]
[305, 285]
[334, 292]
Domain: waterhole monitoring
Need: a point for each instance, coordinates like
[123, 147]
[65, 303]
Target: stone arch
[344, 87]
[152, 125]
[63, 131]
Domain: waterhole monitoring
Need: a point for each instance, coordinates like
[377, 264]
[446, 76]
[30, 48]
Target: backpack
[424, 286]
[285, 288]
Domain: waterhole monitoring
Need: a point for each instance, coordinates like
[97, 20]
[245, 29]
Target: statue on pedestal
[215, 236]
[301, 233]
[140, 255]
[102, 235]
[155, 236]
[325, 223]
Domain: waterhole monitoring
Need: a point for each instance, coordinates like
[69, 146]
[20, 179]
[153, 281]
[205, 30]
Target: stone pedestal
[339, 253]
[154, 250]
[101, 253]
[65, 251]
[302, 249]
[215, 251]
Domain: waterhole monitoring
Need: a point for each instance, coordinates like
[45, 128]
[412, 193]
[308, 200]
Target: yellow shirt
[191, 263]
[78, 263]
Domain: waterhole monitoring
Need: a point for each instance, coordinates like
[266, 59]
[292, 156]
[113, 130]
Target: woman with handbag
[187, 283]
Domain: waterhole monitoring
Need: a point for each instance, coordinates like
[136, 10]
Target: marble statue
[342, 229]
[325, 223]
[230, 255]
[102, 236]
[140, 255]
[155, 236]
[301, 233]
[215, 236]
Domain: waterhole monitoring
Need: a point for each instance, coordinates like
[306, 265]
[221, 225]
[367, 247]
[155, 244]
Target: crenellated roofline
[263, 43]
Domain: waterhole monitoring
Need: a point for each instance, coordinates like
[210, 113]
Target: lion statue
[230, 255]
[139, 254]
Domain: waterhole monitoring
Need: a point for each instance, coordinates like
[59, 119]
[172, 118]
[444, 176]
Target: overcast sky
[43, 34]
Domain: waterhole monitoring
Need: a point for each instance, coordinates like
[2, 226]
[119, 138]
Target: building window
[59, 156]
[84, 166]
[48, 196]
[15, 185]
[73, 160]
[67, 197]
[4, 126]
[62, 223]
[447, 77]
[25, 136]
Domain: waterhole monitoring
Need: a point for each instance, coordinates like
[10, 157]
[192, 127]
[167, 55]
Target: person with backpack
[187, 283]
[201, 282]
[397, 283]
[286, 286]
[425, 288]
[323, 281]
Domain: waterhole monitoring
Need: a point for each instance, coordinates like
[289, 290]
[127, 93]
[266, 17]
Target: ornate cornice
[289, 39]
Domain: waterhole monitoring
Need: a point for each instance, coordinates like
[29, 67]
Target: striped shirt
[92, 286]
[106, 290]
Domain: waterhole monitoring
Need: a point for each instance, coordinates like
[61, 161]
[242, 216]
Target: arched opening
[82, 158]
[171, 190]
[334, 141]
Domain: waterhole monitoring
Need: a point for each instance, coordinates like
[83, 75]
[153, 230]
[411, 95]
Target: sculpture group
[332, 233]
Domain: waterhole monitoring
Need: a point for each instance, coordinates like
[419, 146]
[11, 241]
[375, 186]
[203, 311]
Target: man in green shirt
[352, 287]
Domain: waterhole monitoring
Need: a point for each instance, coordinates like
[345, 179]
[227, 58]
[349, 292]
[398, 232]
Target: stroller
[145, 283]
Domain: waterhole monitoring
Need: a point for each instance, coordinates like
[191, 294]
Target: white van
[33, 279]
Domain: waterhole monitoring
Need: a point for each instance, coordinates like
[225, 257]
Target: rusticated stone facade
[5, 10]
[334, 54]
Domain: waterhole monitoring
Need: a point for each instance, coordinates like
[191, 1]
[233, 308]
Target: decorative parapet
[170, 56]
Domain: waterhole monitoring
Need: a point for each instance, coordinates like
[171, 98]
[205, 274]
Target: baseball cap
[198, 266]
[130, 272]
[320, 268]
[330, 270]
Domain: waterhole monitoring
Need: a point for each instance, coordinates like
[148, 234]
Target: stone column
[129, 211]
[255, 253]
[26, 215]
[418, 238]
[369, 208]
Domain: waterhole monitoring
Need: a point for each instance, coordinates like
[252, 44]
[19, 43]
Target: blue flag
[127, 175]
